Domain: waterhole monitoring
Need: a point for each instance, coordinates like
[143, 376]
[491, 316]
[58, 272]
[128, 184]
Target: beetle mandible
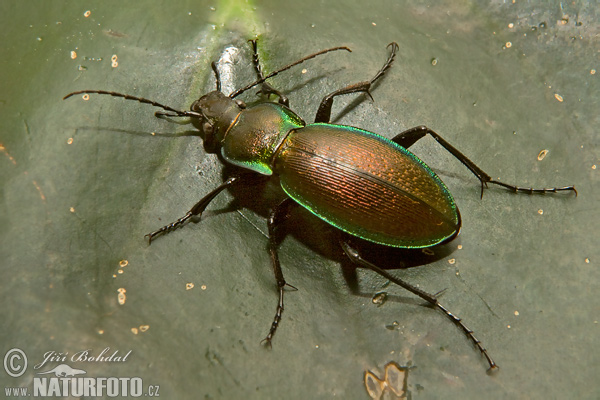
[366, 185]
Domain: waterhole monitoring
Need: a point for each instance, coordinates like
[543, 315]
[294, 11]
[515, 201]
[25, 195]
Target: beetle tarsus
[410, 136]
[267, 342]
[324, 111]
[265, 88]
[356, 258]
[529, 190]
[277, 217]
[170, 227]
[276, 320]
[195, 211]
[389, 61]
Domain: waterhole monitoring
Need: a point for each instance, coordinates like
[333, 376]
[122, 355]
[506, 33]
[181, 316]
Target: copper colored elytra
[370, 187]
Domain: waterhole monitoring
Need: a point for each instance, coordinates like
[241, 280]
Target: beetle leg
[410, 136]
[356, 258]
[277, 216]
[198, 209]
[265, 88]
[324, 110]
[213, 65]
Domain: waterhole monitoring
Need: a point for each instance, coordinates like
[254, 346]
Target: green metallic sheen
[355, 180]
[366, 185]
[253, 139]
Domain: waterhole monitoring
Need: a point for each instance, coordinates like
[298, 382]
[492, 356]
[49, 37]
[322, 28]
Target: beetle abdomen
[366, 185]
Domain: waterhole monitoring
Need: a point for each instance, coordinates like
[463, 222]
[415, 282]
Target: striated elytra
[366, 185]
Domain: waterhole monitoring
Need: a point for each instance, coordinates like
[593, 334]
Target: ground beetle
[362, 183]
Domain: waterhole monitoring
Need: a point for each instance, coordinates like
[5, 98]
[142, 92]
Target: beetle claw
[149, 236]
[483, 185]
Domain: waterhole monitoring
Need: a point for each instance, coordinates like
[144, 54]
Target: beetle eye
[240, 103]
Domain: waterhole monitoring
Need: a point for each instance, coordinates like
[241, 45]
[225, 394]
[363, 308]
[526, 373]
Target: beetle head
[218, 112]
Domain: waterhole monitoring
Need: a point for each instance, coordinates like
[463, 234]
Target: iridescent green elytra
[358, 181]
[364, 184]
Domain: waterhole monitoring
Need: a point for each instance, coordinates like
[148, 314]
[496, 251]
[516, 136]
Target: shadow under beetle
[366, 185]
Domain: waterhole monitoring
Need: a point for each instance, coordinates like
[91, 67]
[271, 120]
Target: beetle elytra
[362, 183]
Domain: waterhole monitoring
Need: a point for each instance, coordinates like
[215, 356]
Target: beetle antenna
[177, 113]
[216, 71]
[258, 82]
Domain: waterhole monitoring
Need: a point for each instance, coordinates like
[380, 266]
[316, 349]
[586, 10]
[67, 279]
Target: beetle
[362, 183]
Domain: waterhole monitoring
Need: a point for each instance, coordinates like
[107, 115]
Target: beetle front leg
[410, 136]
[356, 258]
[277, 216]
[324, 110]
[198, 209]
[265, 88]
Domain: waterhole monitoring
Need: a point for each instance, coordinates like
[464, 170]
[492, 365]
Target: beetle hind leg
[265, 88]
[324, 110]
[410, 136]
[277, 216]
[356, 258]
